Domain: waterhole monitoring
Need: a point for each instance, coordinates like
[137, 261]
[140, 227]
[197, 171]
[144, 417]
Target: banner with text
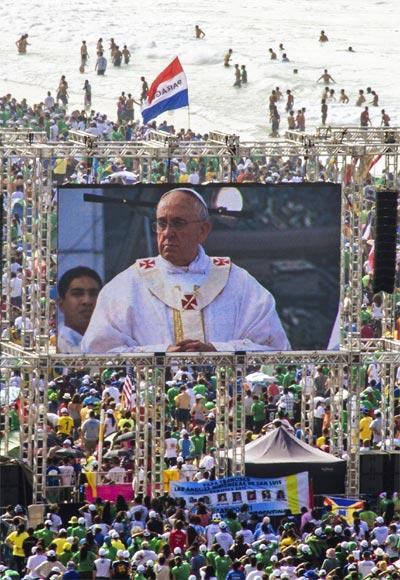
[270, 496]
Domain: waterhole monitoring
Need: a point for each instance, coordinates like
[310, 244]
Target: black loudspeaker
[15, 483]
[385, 241]
[379, 472]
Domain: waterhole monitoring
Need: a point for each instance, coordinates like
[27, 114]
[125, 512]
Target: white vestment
[68, 340]
[154, 304]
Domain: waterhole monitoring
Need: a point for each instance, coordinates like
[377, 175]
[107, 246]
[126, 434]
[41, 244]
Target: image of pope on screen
[183, 300]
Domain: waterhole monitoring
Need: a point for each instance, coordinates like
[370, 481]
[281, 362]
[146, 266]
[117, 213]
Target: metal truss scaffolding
[345, 153]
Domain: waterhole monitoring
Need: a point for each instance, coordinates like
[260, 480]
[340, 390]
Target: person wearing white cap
[380, 532]
[223, 537]
[121, 566]
[183, 300]
[102, 565]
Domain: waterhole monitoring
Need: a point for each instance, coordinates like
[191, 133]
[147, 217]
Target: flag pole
[188, 117]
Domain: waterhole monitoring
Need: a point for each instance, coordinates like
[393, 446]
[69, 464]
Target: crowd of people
[296, 120]
[159, 536]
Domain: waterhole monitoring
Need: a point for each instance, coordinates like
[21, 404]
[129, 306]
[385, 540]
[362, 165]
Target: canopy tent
[280, 453]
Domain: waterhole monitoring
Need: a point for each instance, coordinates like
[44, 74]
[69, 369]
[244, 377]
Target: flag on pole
[168, 91]
[127, 388]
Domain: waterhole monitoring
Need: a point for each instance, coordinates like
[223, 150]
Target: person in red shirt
[178, 537]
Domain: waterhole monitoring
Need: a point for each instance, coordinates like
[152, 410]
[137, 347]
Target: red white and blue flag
[168, 91]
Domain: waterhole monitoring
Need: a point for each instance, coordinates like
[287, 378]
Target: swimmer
[145, 90]
[300, 120]
[22, 43]
[278, 93]
[375, 99]
[199, 32]
[126, 54]
[325, 93]
[332, 97]
[361, 99]
[84, 55]
[113, 47]
[62, 91]
[295, 71]
[364, 118]
[291, 121]
[238, 81]
[326, 77]
[385, 122]
[324, 111]
[272, 54]
[281, 47]
[272, 100]
[228, 57]
[99, 47]
[117, 58]
[244, 74]
[289, 101]
[343, 97]
[285, 57]
[350, 49]
[275, 120]
[323, 37]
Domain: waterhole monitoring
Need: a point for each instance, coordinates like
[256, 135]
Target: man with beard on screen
[183, 300]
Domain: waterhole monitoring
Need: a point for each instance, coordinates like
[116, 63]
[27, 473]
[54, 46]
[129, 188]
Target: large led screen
[156, 268]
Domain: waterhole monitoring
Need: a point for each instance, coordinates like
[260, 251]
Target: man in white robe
[183, 300]
[78, 289]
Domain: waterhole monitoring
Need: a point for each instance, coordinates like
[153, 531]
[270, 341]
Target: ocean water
[156, 31]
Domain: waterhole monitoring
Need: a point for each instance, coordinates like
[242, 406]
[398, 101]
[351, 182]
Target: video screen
[197, 268]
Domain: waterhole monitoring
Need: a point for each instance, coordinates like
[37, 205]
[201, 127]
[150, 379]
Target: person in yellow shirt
[60, 541]
[171, 474]
[65, 423]
[365, 427]
[126, 421]
[15, 541]
[183, 178]
[322, 439]
[116, 542]
[85, 412]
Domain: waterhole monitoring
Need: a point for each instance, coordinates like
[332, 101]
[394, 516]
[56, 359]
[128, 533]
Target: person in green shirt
[181, 570]
[211, 556]
[8, 573]
[171, 394]
[73, 523]
[84, 560]
[139, 575]
[265, 553]
[198, 440]
[44, 533]
[258, 411]
[66, 555]
[233, 524]
[79, 531]
[222, 564]
[200, 389]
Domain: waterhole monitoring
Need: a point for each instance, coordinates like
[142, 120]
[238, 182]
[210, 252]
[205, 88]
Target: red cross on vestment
[189, 302]
[146, 264]
[221, 261]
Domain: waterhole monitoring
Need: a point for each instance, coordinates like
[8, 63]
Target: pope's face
[79, 302]
[180, 246]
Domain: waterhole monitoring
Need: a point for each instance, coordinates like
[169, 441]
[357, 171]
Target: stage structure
[345, 154]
